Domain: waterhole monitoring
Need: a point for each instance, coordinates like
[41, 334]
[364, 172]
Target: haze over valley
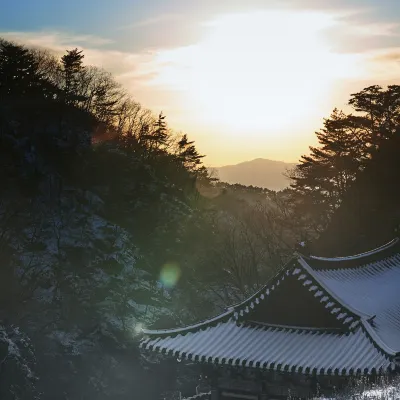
[260, 172]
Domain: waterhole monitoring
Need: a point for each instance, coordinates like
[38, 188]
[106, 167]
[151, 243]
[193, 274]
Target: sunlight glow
[257, 71]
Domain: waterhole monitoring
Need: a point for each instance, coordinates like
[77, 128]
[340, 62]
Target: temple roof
[357, 300]
[282, 349]
[374, 289]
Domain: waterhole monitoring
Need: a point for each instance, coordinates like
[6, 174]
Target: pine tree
[72, 67]
[346, 144]
[188, 154]
[19, 72]
[154, 141]
[321, 178]
[26, 92]
[159, 136]
[380, 110]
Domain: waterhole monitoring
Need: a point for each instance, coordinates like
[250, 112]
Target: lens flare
[170, 274]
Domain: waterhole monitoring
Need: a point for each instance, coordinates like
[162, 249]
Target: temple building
[319, 319]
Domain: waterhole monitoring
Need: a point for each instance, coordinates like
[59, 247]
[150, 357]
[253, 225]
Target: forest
[110, 222]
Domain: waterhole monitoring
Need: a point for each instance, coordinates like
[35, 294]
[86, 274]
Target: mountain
[259, 172]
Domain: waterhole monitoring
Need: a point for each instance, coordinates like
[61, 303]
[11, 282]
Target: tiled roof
[283, 349]
[374, 289]
[361, 291]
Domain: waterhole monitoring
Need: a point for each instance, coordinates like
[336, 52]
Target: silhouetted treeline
[369, 215]
[347, 183]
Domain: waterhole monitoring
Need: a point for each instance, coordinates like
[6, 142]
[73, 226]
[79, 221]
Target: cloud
[361, 25]
[346, 32]
[384, 64]
[121, 63]
[134, 70]
[155, 77]
[387, 56]
[160, 19]
[55, 41]
[374, 29]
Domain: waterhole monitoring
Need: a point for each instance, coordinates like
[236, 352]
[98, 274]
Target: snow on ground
[385, 391]
[390, 392]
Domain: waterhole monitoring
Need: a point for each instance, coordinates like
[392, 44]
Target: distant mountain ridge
[260, 172]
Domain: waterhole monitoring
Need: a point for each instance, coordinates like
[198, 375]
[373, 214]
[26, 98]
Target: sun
[258, 71]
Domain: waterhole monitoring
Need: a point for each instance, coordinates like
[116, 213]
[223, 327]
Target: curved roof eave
[356, 256]
[188, 328]
[353, 353]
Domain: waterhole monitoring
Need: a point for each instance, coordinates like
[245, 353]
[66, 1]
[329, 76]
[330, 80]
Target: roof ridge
[188, 328]
[376, 340]
[350, 308]
[274, 278]
[356, 256]
[243, 307]
[346, 314]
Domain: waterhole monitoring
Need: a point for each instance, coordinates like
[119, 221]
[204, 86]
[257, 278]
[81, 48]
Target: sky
[243, 78]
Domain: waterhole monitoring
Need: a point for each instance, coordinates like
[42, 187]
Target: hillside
[259, 172]
[105, 228]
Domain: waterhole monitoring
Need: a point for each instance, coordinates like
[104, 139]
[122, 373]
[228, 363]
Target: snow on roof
[296, 350]
[361, 255]
[374, 289]
[189, 327]
[364, 297]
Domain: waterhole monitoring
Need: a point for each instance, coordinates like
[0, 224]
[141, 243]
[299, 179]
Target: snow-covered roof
[361, 292]
[294, 350]
[374, 289]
